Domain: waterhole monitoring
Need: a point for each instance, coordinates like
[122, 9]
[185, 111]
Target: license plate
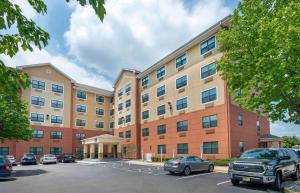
[246, 179]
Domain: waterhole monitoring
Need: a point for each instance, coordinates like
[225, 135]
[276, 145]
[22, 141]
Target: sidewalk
[292, 187]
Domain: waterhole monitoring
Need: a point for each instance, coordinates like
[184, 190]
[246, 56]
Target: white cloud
[135, 34]
[285, 129]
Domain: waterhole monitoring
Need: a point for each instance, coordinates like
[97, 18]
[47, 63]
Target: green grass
[222, 162]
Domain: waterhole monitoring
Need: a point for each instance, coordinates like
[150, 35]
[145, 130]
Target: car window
[2, 160]
[191, 158]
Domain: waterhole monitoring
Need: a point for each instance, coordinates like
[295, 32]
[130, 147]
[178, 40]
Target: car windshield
[177, 158]
[298, 153]
[49, 156]
[260, 154]
[29, 155]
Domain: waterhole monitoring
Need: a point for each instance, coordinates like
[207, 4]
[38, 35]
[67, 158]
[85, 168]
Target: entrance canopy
[269, 140]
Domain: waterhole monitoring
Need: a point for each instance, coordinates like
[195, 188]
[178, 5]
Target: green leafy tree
[261, 57]
[289, 142]
[18, 32]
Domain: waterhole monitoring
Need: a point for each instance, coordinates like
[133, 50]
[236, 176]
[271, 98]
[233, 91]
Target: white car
[12, 160]
[48, 158]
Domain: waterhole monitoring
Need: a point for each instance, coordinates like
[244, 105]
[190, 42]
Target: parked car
[297, 152]
[28, 158]
[12, 160]
[66, 157]
[48, 158]
[267, 166]
[5, 167]
[187, 164]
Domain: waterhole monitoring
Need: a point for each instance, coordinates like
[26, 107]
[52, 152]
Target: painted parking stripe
[192, 176]
[218, 184]
[162, 173]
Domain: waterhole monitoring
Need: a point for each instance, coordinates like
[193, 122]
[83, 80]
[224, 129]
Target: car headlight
[269, 167]
[230, 166]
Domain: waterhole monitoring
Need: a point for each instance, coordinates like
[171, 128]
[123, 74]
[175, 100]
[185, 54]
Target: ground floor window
[4, 150]
[55, 150]
[79, 152]
[161, 149]
[36, 150]
[210, 147]
[182, 148]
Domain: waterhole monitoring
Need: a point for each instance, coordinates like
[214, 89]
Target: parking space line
[218, 184]
[157, 174]
[192, 176]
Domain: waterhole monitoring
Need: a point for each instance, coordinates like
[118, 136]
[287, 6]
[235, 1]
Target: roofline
[183, 48]
[93, 89]
[121, 72]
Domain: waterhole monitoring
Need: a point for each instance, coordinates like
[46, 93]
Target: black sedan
[28, 158]
[66, 157]
[5, 167]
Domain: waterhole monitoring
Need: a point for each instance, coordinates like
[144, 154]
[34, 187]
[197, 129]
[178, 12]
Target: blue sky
[134, 34]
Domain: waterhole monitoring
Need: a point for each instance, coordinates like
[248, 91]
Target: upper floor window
[181, 103]
[57, 88]
[181, 60]
[120, 106]
[161, 149]
[56, 135]
[208, 70]
[121, 134]
[80, 123]
[145, 132]
[38, 134]
[209, 95]
[210, 147]
[56, 119]
[120, 92]
[182, 148]
[208, 45]
[240, 120]
[80, 136]
[160, 91]
[161, 72]
[161, 110]
[128, 103]
[128, 88]
[81, 94]
[81, 108]
[100, 99]
[182, 126]
[128, 134]
[37, 101]
[37, 117]
[111, 99]
[57, 104]
[99, 124]
[161, 129]
[112, 112]
[36, 150]
[99, 111]
[257, 126]
[145, 98]
[209, 121]
[145, 114]
[181, 82]
[120, 121]
[38, 84]
[145, 81]
[128, 118]
[111, 125]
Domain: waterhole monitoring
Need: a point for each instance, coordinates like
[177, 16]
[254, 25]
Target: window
[38, 134]
[145, 81]
[182, 148]
[37, 101]
[210, 147]
[36, 150]
[80, 123]
[161, 129]
[208, 45]
[111, 99]
[100, 99]
[120, 92]
[181, 60]
[128, 134]
[99, 111]
[128, 88]
[160, 91]
[57, 104]
[55, 150]
[57, 88]
[257, 126]
[182, 126]
[145, 132]
[208, 70]
[37, 117]
[128, 118]
[81, 108]
[181, 82]
[111, 125]
[56, 119]
[240, 120]
[128, 103]
[4, 151]
[56, 135]
[121, 134]
[38, 84]
[80, 136]
[120, 120]
[161, 149]
[161, 110]
[242, 148]
[210, 121]
[112, 112]
[99, 124]
[161, 72]
[209, 95]
[145, 98]
[81, 94]
[145, 114]
[120, 106]
[181, 103]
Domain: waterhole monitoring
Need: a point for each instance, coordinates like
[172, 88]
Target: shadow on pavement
[23, 173]
[7, 179]
[259, 187]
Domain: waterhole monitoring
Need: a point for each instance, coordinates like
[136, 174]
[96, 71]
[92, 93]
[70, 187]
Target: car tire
[62, 161]
[172, 173]
[210, 168]
[187, 171]
[296, 175]
[277, 183]
[235, 182]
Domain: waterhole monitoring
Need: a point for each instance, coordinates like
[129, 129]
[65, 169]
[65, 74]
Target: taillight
[178, 164]
[7, 166]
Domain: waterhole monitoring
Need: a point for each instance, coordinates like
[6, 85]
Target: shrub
[157, 159]
[222, 162]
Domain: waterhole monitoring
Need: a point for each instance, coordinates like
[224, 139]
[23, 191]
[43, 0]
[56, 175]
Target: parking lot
[116, 177]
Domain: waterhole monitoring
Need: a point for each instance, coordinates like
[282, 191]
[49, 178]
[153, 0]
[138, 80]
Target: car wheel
[296, 175]
[277, 183]
[62, 161]
[235, 182]
[187, 171]
[210, 168]
[172, 173]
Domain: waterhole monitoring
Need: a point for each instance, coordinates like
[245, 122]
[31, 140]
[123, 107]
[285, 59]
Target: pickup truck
[267, 166]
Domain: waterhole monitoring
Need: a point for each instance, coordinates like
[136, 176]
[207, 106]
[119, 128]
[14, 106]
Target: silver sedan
[48, 158]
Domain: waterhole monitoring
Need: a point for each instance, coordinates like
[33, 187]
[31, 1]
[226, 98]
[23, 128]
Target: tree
[18, 32]
[261, 57]
[289, 142]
